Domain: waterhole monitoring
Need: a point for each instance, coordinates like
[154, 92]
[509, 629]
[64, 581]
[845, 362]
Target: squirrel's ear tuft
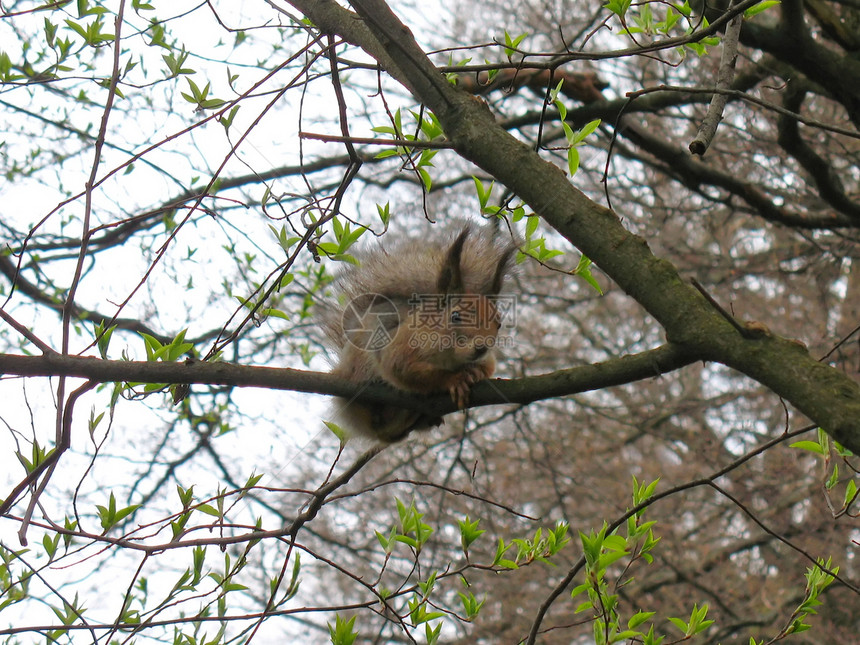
[450, 275]
[502, 269]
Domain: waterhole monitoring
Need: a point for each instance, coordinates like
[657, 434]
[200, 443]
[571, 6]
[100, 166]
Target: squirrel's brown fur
[420, 316]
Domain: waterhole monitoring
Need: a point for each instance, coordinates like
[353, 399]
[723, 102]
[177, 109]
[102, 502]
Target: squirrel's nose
[479, 351]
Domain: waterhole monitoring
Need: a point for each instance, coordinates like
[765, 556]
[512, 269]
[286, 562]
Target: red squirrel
[420, 315]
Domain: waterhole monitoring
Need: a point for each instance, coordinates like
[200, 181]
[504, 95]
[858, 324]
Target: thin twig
[26, 333]
[844, 340]
[371, 141]
[706, 481]
[46, 466]
[743, 331]
[725, 75]
[316, 502]
[744, 96]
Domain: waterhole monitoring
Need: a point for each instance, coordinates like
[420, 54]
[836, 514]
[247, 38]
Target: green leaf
[833, 479]
[103, 337]
[337, 431]
[499, 560]
[469, 532]
[583, 270]
[618, 7]
[680, 624]
[426, 179]
[209, 510]
[583, 606]
[342, 632]
[511, 44]
[811, 446]
[761, 6]
[639, 617]
[572, 160]
[850, 493]
[483, 192]
[50, 544]
[227, 119]
[471, 606]
[384, 213]
[426, 587]
[110, 515]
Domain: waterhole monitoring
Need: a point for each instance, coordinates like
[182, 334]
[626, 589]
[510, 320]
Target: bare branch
[725, 74]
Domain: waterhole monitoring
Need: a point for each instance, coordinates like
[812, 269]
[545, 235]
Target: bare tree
[671, 450]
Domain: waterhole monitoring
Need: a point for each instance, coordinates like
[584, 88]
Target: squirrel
[421, 316]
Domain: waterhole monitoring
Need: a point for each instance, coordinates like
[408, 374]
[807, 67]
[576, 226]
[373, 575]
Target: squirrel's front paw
[461, 384]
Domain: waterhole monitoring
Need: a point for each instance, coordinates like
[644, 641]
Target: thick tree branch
[821, 170]
[837, 73]
[694, 174]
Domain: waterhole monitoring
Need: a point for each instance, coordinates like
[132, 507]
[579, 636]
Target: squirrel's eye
[456, 317]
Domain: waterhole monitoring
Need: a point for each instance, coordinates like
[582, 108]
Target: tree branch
[617, 371]
[725, 74]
